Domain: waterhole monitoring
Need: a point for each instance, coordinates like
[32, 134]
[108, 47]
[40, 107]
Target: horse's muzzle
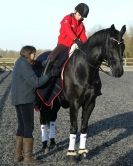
[117, 72]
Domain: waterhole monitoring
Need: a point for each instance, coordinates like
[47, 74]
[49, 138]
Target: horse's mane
[97, 37]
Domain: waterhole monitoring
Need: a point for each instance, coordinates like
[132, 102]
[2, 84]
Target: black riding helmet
[82, 9]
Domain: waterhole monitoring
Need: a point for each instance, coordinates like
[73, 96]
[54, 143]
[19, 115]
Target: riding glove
[78, 42]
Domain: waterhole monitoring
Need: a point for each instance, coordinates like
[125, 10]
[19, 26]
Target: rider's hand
[78, 42]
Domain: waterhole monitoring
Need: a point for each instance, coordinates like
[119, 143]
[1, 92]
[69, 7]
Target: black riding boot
[53, 56]
[48, 66]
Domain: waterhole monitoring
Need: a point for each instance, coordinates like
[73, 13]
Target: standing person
[72, 31]
[24, 83]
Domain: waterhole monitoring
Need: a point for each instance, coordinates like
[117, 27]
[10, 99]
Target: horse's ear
[112, 29]
[123, 30]
[112, 26]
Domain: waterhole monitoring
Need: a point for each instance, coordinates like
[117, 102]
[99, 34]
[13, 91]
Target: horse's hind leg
[44, 128]
[87, 110]
[52, 128]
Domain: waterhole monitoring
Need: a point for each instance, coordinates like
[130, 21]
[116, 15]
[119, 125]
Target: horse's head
[113, 50]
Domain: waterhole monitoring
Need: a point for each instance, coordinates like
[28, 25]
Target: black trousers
[59, 50]
[25, 117]
[57, 58]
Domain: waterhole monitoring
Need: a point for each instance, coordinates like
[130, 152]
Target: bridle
[118, 42]
[109, 61]
[106, 61]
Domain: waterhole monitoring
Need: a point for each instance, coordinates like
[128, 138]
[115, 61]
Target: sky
[37, 22]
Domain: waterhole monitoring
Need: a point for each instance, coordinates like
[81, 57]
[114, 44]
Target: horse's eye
[112, 44]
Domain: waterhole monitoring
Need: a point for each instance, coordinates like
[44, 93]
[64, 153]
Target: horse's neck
[94, 56]
[96, 46]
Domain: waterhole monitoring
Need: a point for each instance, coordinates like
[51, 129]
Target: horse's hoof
[45, 150]
[51, 147]
[52, 144]
[44, 147]
[71, 156]
[82, 154]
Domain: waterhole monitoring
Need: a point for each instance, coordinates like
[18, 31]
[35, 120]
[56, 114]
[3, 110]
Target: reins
[89, 62]
[98, 67]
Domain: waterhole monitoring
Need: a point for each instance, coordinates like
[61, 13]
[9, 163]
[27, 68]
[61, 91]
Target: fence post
[125, 62]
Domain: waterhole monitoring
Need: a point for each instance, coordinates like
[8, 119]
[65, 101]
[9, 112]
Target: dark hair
[27, 50]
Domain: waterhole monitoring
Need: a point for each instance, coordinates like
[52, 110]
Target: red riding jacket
[70, 30]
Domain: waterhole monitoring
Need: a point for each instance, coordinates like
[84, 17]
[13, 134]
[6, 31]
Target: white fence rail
[128, 62]
[7, 63]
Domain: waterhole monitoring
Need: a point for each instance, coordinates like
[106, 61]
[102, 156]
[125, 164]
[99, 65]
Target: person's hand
[78, 42]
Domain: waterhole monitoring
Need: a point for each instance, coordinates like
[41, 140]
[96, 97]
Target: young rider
[72, 31]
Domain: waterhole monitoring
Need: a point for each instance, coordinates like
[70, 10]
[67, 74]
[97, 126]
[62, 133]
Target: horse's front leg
[86, 112]
[71, 154]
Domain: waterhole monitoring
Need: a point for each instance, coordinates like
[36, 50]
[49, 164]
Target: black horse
[82, 82]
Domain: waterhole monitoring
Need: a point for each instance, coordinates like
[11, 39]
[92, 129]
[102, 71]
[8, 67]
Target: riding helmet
[82, 9]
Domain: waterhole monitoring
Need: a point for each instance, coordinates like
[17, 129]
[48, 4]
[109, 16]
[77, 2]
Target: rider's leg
[53, 56]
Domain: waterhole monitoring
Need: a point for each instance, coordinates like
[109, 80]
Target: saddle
[47, 93]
